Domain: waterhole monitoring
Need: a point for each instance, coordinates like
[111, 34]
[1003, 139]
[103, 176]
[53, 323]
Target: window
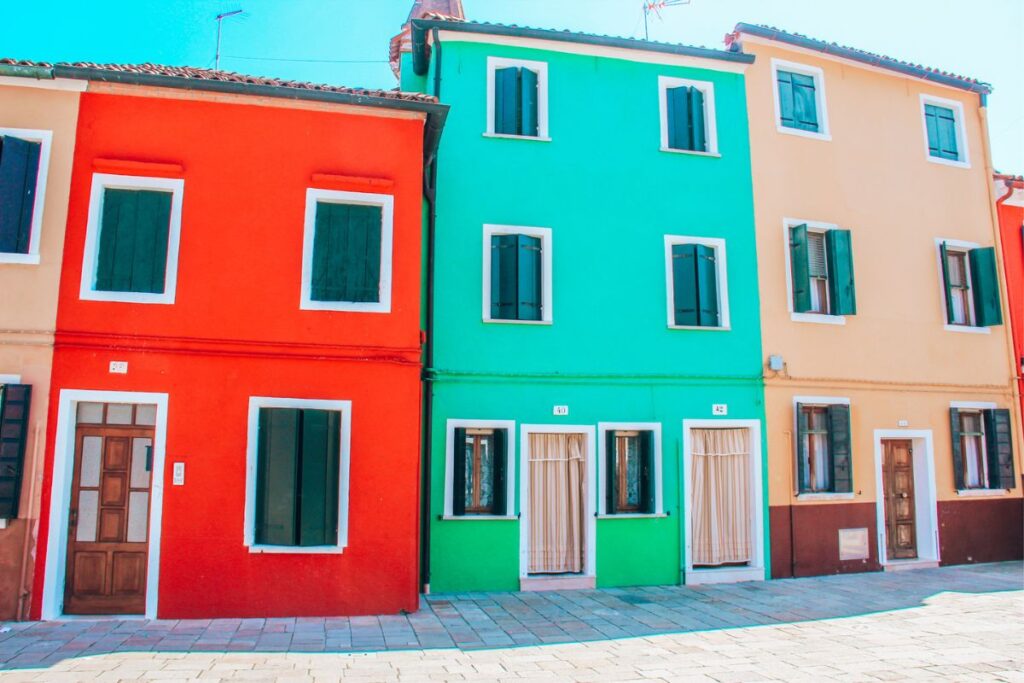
[24, 158]
[800, 99]
[821, 270]
[480, 462]
[696, 276]
[346, 259]
[131, 249]
[517, 98]
[687, 115]
[297, 475]
[982, 448]
[630, 474]
[970, 285]
[943, 131]
[517, 274]
[823, 448]
[14, 406]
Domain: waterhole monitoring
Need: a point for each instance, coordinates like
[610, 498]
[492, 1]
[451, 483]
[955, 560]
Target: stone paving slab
[947, 624]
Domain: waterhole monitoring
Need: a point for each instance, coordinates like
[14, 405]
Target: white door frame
[590, 487]
[60, 498]
[756, 569]
[926, 509]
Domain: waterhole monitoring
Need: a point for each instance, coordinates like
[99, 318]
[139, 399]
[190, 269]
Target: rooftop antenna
[656, 6]
[220, 19]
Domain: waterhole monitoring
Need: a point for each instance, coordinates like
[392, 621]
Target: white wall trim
[710, 124]
[721, 275]
[67, 84]
[510, 465]
[590, 470]
[973, 405]
[102, 182]
[60, 494]
[824, 131]
[964, 156]
[387, 204]
[926, 515]
[10, 379]
[755, 571]
[602, 474]
[546, 279]
[963, 247]
[252, 453]
[541, 69]
[45, 138]
[812, 226]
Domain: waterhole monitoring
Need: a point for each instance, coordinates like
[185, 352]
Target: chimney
[446, 9]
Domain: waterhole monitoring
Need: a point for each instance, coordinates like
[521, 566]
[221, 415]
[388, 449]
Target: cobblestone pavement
[952, 624]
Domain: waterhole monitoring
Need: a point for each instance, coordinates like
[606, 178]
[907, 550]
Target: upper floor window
[944, 133]
[982, 447]
[687, 115]
[821, 270]
[24, 157]
[800, 99]
[970, 285]
[517, 98]
[697, 286]
[823, 454]
[517, 274]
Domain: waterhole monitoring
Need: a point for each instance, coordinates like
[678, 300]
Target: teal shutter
[318, 474]
[707, 286]
[800, 268]
[947, 290]
[957, 449]
[785, 85]
[528, 96]
[677, 102]
[277, 476]
[801, 451]
[500, 473]
[999, 447]
[684, 285]
[839, 448]
[805, 104]
[985, 285]
[14, 406]
[459, 473]
[931, 124]
[504, 257]
[134, 230]
[839, 252]
[940, 123]
[529, 278]
[698, 137]
[347, 253]
[611, 474]
[19, 172]
[506, 101]
[648, 485]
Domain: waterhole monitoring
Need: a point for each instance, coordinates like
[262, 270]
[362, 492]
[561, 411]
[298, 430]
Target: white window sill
[127, 297]
[670, 150]
[825, 496]
[969, 329]
[981, 493]
[633, 515]
[803, 133]
[24, 259]
[478, 518]
[948, 162]
[346, 306]
[503, 321]
[297, 549]
[820, 318]
[726, 328]
[504, 136]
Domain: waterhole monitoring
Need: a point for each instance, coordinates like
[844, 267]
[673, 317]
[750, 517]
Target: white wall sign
[178, 477]
[720, 409]
[119, 367]
[561, 410]
[853, 544]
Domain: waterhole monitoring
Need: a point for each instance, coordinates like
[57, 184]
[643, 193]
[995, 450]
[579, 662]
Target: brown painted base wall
[812, 549]
[11, 545]
[981, 530]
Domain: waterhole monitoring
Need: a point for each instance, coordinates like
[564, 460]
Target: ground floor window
[479, 471]
[823, 448]
[982, 448]
[629, 472]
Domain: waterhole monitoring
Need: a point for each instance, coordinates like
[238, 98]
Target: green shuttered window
[630, 486]
[14, 406]
[517, 282]
[297, 477]
[516, 101]
[479, 471]
[982, 447]
[347, 253]
[686, 118]
[133, 241]
[798, 104]
[824, 456]
[971, 286]
[695, 295]
[19, 174]
[821, 269]
[941, 125]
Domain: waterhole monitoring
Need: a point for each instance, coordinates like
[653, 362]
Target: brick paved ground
[953, 623]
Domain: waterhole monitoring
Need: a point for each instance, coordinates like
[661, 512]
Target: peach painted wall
[28, 301]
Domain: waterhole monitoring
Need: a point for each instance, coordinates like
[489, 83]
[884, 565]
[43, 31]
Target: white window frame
[964, 247]
[449, 467]
[978, 407]
[812, 226]
[101, 182]
[45, 138]
[818, 74]
[964, 157]
[818, 401]
[251, 458]
[541, 69]
[387, 204]
[547, 312]
[721, 275]
[602, 475]
[710, 126]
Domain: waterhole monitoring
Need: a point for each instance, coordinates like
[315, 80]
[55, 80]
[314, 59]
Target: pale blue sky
[979, 38]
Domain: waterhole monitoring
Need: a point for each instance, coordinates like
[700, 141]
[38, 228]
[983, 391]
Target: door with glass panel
[108, 522]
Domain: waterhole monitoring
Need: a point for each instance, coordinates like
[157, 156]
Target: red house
[1009, 191]
[236, 375]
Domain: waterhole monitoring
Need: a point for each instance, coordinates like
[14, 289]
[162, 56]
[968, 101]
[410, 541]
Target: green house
[594, 395]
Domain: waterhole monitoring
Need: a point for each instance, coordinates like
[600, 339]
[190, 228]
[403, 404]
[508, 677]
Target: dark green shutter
[999, 447]
[19, 172]
[504, 256]
[528, 102]
[134, 231]
[277, 476]
[985, 283]
[707, 286]
[677, 101]
[698, 138]
[459, 473]
[611, 474]
[947, 289]
[800, 268]
[347, 253]
[801, 451]
[648, 485]
[684, 284]
[506, 101]
[14, 407]
[957, 448]
[839, 448]
[839, 252]
[500, 474]
[805, 104]
[318, 474]
[529, 278]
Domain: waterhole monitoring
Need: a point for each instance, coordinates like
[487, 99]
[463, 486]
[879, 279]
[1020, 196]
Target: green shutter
[14, 407]
[785, 85]
[277, 476]
[19, 171]
[931, 124]
[839, 448]
[707, 286]
[957, 448]
[947, 289]
[506, 101]
[318, 474]
[698, 138]
[347, 253]
[504, 277]
[134, 231]
[985, 285]
[459, 472]
[684, 285]
[648, 483]
[611, 474]
[528, 103]
[500, 474]
[945, 133]
[677, 102]
[529, 278]
[805, 105]
[801, 452]
[839, 251]
[800, 268]
[999, 447]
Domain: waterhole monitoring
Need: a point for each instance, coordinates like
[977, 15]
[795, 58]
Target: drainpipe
[31, 526]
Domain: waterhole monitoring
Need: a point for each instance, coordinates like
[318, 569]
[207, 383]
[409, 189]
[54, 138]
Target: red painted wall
[1011, 220]
[236, 330]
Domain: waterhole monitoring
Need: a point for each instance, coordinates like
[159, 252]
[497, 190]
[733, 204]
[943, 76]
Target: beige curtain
[720, 504]
[557, 492]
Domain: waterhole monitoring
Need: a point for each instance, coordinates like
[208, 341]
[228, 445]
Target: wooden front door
[898, 491]
[108, 526]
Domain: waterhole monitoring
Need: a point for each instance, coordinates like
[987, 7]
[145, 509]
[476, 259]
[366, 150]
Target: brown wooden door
[108, 528]
[898, 490]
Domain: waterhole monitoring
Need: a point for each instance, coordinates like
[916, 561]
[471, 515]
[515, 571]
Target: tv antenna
[656, 6]
[220, 19]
